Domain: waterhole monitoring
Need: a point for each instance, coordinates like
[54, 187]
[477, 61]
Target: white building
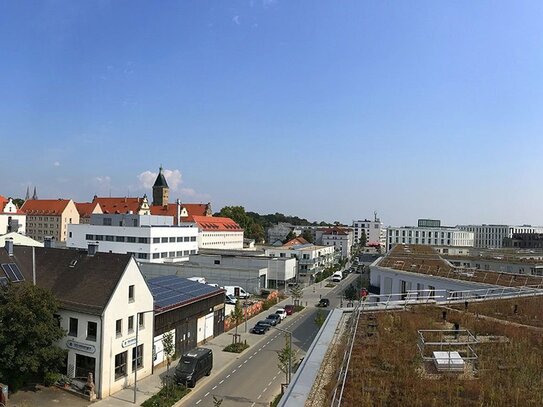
[149, 238]
[432, 236]
[12, 219]
[311, 259]
[340, 238]
[218, 233]
[103, 301]
[491, 236]
[373, 229]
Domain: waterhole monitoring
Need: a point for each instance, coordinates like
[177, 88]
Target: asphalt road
[255, 379]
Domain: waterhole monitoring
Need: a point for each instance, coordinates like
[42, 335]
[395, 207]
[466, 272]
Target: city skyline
[316, 110]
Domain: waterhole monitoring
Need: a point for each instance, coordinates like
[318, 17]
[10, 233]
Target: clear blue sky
[322, 109]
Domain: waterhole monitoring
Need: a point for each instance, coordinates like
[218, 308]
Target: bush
[51, 378]
[236, 347]
[298, 308]
[167, 396]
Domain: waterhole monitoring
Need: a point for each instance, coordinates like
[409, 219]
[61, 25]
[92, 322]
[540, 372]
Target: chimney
[47, 242]
[9, 247]
[178, 202]
[93, 249]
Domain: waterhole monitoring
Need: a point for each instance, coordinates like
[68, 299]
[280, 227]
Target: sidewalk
[150, 385]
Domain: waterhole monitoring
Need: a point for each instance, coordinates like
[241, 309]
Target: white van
[236, 291]
[201, 280]
[337, 277]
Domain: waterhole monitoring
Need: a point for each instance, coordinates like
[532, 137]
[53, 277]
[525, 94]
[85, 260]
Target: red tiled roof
[171, 210]
[86, 209]
[335, 231]
[3, 202]
[49, 207]
[119, 205]
[296, 241]
[211, 223]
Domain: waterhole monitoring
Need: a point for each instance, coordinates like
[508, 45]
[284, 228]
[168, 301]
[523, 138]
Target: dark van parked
[194, 365]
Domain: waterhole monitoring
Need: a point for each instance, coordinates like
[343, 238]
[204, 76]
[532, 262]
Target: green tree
[237, 316]
[363, 239]
[285, 356]
[18, 202]
[307, 235]
[297, 293]
[169, 347]
[291, 235]
[28, 330]
[320, 318]
[351, 293]
[252, 229]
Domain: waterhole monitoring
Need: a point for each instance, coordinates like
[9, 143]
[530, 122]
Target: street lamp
[289, 335]
[136, 361]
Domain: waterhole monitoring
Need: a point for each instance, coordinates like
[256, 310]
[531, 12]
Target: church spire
[34, 195]
[161, 190]
[27, 197]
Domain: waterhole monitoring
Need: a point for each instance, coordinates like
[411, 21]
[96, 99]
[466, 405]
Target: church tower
[161, 191]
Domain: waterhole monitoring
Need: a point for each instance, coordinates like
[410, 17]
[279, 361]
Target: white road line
[253, 405]
[263, 391]
[258, 398]
[207, 394]
[221, 382]
[250, 357]
[260, 349]
[227, 376]
[274, 377]
[214, 387]
[239, 367]
[234, 371]
[254, 354]
[269, 384]
[244, 361]
[198, 402]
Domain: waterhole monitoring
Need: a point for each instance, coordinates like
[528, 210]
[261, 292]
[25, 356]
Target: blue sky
[322, 109]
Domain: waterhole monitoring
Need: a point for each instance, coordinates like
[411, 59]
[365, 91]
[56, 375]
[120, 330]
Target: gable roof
[335, 231]
[3, 202]
[295, 242]
[85, 287]
[49, 207]
[86, 209]
[212, 223]
[192, 210]
[120, 204]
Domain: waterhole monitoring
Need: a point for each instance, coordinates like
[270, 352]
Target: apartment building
[431, 236]
[492, 236]
[86, 210]
[218, 233]
[149, 238]
[49, 218]
[374, 231]
[339, 237]
[12, 219]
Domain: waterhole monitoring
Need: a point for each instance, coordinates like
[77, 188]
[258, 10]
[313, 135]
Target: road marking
[221, 382]
[254, 354]
[269, 384]
[250, 357]
[263, 391]
[207, 394]
[244, 361]
[274, 377]
[260, 349]
[227, 376]
[258, 398]
[198, 402]
[234, 371]
[239, 367]
[253, 405]
[214, 387]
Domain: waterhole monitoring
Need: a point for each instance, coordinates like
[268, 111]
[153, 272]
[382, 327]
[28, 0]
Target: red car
[289, 309]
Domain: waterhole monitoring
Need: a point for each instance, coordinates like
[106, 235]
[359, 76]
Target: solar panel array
[12, 272]
[3, 281]
[171, 290]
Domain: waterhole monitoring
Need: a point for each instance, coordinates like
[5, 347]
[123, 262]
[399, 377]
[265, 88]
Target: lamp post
[136, 361]
[289, 336]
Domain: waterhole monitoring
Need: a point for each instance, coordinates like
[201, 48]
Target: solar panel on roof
[3, 281]
[17, 272]
[9, 272]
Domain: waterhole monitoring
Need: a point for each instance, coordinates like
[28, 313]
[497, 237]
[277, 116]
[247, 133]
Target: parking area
[45, 397]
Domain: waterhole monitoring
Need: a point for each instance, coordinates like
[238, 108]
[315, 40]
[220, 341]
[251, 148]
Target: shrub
[167, 396]
[236, 347]
[51, 378]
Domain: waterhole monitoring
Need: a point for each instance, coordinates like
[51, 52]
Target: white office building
[340, 238]
[149, 238]
[431, 236]
[373, 229]
[491, 236]
[311, 259]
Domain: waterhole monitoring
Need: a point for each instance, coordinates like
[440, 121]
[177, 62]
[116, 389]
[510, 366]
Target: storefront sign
[128, 342]
[80, 346]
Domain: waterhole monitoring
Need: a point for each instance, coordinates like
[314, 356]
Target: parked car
[282, 313]
[324, 302]
[236, 291]
[261, 328]
[230, 299]
[193, 365]
[289, 309]
[273, 319]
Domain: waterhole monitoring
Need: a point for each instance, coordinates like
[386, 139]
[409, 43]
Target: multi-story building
[374, 231]
[49, 218]
[86, 209]
[103, 300]
[340, 238]
[12, 219]
[524, 241]
[123, 205]
[432, 236]
[277, 233]
[149, 238]
[218, 233]
[311, 259]
[492, 236]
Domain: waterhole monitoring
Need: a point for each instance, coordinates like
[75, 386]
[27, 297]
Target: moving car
[282, 313]
[324, 302]
[273, 319]
[261, 328]
[194, 365]
[289, 309]
[337, 277]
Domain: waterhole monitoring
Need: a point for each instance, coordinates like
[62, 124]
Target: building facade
[432, 236]
[49, 218]
[149, 238]
[492, 236]
[339, 237]
[524, 241]
[373, 229]
[218, 233]
[12, 219]
[86, 210]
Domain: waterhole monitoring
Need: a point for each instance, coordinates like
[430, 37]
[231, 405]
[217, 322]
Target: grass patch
[330, 285]
[298, 308]
[276, 400]
[167, 396]
[236, 347]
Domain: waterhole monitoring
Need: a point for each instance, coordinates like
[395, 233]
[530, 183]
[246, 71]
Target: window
[187, 239]
[120, 365]
[109, 238]
[107, 221]
[130, 324]
[156, 239]
[217, 261]
[163, 255]
[164, 240]
[156, 255]
[137, 357]
[131, 239]
[131, 293]
[92, 328]
[141, 321]
[172, 239]
[186, 252]
[193, 252]
[119, 238]
[70, 234]
[143, 240]
[99, 237]
[179, 239]
[73, 327]
[193, 238]
[142, 256]
[119, 327]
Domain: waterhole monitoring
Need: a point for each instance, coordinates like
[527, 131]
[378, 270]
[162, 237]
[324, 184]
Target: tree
[252, 229]
[307, 235]
[291, 235]
[351, 293]
[363, 239]
[297, 294]
[18, 202]
[237, 317]
[28, 331]
[320, 318]
[169, 348]
[285, 356]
